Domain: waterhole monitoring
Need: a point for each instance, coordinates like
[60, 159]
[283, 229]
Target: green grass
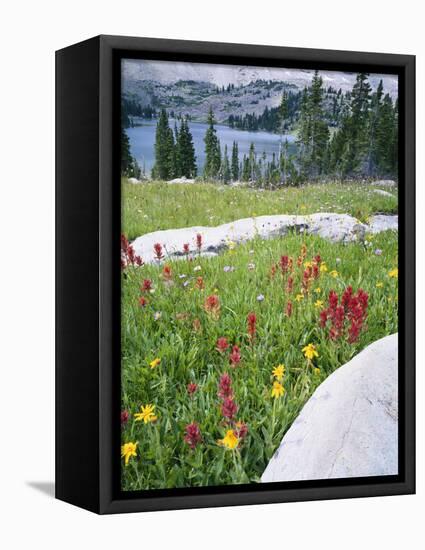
[157, 205]
[187, 355]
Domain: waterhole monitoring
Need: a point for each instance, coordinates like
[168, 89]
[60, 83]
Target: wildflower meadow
[220, 354]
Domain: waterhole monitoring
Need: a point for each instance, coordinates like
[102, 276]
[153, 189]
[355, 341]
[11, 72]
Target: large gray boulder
[334, 227]
[349, 426]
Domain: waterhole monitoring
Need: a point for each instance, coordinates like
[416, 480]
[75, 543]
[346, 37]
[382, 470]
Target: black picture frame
[88, 274]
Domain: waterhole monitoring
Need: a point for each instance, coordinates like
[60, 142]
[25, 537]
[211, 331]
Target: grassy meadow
[158, 205]
[220, 354]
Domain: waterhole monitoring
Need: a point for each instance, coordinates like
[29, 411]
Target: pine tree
[225, 168]
[385, 142]
[129, 165]
[283, 151]
[246, 172]
[165, 153]
[314, 133]
[374, 116]
[185, 152]
[358, 125]
[212, 149]
[252, 163]
[235, 161]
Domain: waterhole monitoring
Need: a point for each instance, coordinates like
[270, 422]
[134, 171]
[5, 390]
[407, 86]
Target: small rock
[384, 183]
[383, 193]
[134, 181]
[181, 180]
[349, 426]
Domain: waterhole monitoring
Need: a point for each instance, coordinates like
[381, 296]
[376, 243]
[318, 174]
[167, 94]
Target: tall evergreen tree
[225, 167]
[252, 163]
[358, 125]
[283, 150]
[212, 149]
[129, 166]
[386, 136]
[246, 172]
[165, 154]
[185, 152]
[235, 161]
[374, 116]
[314, 133]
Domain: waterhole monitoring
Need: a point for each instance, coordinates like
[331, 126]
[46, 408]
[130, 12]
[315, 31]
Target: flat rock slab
[349, 426]
[334, 227]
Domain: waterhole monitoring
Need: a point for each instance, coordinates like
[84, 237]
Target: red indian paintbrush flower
[142, 301]
[146, 285]
[252, 325]
[186, 248]
[124, 417]
[222, 344]
[229, 408]
[351, 312]
[191, 388]
[167, 273]
[200, 283]
[124, 242]
[284, 264]
[235, 356]
[288, 311]
[212, 306]
[128, 255]
[157, 247]
[225, 386]
[289, 285]
[192, 435]
[307, 277]
[199, 241]
[241, 430]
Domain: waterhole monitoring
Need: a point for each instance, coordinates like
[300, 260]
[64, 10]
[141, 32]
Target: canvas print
[259, 274]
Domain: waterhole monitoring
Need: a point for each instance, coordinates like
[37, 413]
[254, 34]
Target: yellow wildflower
[278, 390]
[146, 414]
[230, 441]
[318, 303]
[323, 267]
[155, 363]
[316, 371]
[333, 273]
[128, 450]
[318, 290]
[278, 372]
[299, 297]
[310, 351]
[379, 284]
[393, 273]
[308, 264]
